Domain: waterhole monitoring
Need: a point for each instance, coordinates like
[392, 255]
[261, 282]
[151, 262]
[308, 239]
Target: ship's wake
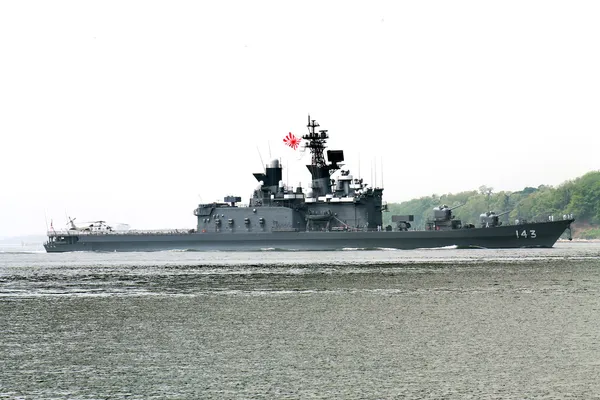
[452, 247]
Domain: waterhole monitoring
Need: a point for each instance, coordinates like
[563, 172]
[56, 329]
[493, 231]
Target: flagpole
[261, 160]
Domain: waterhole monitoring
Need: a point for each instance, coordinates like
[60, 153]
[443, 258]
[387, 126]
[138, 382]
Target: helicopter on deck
[91, 226]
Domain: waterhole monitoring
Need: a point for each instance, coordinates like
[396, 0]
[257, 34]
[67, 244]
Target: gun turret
[444, 213]
[443, 219]
[489, 219]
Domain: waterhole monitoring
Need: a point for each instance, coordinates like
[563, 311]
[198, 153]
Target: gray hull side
[543, 234]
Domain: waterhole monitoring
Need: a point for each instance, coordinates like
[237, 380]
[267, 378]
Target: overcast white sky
[135, 111]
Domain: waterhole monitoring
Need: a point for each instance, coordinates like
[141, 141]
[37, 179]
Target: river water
[420, 324]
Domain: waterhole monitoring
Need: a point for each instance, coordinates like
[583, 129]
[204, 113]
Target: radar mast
[319, 169]
[316, 142]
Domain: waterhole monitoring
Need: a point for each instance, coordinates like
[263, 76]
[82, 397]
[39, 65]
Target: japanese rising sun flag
[292, 140]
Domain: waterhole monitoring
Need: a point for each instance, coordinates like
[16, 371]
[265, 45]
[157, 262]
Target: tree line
[580, 197]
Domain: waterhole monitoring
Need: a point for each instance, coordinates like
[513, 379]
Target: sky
[136, 111]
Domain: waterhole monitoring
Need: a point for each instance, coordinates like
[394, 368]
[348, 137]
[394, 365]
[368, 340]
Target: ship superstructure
[328, 205]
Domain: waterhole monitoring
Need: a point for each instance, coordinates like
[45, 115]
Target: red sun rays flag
[292, 141]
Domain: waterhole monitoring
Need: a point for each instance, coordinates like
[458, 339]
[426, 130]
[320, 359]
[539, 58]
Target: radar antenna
[316, 142]
[319, 168]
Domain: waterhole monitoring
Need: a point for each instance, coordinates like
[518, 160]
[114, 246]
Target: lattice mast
[315, 141]
[319, 169]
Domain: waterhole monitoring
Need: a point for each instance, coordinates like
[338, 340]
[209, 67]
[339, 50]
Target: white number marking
[532, 234]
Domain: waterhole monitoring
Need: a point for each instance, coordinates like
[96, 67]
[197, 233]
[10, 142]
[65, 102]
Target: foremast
[319, 169]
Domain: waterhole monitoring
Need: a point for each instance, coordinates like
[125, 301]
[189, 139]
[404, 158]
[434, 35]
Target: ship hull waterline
[544, 234]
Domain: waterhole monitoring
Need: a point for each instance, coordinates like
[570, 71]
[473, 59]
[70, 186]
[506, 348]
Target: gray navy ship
[334, 214]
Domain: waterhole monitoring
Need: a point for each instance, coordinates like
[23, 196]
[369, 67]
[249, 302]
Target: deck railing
[64, 232]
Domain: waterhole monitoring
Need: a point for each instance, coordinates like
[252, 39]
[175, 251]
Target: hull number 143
[524, 234]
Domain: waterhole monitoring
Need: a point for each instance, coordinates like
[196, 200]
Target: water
[455, 324]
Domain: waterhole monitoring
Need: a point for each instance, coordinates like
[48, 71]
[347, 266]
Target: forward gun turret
[489, 219]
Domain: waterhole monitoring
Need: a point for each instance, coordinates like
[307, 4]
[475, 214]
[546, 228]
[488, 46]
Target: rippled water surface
[449, 323]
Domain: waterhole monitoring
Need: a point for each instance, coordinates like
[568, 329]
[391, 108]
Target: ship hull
[544, 234]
